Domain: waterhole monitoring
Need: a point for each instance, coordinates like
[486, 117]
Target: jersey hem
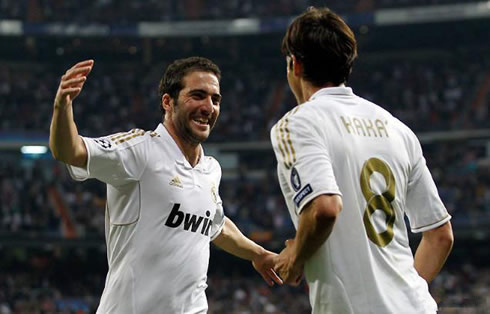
[309, 198]
[78, 173]
[432, 226]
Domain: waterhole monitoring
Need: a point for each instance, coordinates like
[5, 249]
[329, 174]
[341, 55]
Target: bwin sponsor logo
[191, 221]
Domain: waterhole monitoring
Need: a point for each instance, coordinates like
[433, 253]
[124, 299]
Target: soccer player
[349, 172]
[163, 206]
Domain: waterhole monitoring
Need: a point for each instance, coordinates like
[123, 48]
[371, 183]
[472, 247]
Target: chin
[200, 136]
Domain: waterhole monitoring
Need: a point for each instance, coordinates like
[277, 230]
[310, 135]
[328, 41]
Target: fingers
[272, 274]
[289, 242]
[76, 72]
[72, 82]
[298, 280]
[80, 69]
[270, 277]
[70, 91]
[75, 82]
[267, 280]
[84, 63]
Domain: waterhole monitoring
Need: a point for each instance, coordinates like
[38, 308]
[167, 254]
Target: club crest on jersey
[295, 180]
[176, 182]
[214, 193]
[307, 190]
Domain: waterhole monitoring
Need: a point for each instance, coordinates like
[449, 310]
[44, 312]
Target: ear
[297, 66]
[166, 103]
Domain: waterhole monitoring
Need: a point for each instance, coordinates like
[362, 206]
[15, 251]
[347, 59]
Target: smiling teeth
[204, 121]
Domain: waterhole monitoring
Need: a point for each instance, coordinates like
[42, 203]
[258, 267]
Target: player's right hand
[71, 83]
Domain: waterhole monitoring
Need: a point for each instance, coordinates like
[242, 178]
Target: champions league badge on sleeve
[295, 180]
[103, 142]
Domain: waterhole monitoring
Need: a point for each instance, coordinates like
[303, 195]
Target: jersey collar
[177, 153]
[340, 90]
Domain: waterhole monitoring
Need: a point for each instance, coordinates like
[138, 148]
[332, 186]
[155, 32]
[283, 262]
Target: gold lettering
[381, 127]
[347, 124]
[358, 126]
[369, 127]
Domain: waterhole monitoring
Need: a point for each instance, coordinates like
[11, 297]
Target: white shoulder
[213, 166]
[297, 128]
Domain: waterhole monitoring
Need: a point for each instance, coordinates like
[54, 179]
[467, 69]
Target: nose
[208, 105]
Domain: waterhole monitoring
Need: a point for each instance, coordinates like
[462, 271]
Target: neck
[191, 151]
[307, 90]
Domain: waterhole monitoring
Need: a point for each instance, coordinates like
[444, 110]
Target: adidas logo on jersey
[191, 222]
[176, 182]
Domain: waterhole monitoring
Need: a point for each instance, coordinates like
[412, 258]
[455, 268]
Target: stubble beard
[185, 131]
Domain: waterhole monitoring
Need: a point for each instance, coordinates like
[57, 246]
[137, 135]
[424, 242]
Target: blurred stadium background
[427, 61]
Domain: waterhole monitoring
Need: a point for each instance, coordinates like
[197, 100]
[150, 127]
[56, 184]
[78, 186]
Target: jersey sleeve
[218, 220]
[303, 159]
[115, 159]
[425, 209]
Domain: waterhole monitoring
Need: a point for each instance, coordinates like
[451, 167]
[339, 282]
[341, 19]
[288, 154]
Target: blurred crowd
[440, 92]
[132, 11]
[71, 282]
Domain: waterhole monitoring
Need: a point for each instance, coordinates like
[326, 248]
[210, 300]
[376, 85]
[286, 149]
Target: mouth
[201, 121]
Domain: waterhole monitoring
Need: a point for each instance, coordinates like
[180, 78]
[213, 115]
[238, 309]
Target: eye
[198, 96]
[216, 101]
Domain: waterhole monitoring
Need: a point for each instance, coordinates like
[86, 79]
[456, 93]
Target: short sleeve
[218, 222]
[425, 209]
[114, 159]
[303, 158]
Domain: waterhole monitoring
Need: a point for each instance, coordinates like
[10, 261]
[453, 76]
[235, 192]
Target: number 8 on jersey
[378, 201]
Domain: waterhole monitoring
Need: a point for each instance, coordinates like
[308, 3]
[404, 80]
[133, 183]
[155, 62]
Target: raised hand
[71, 83]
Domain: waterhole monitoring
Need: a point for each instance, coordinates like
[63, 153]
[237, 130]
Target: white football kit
[339, 143]
[161, 215]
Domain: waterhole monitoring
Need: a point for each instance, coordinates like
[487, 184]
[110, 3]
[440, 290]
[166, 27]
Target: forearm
[234, 242]
[312, 233]
[64, 141]
[433, 251]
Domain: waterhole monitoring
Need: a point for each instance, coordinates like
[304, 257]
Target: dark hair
[323, 43]
[172, 80]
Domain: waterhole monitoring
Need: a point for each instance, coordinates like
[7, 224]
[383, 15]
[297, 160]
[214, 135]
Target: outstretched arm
[433, 250]
[316, 222]
[234, 242]
[64, 141]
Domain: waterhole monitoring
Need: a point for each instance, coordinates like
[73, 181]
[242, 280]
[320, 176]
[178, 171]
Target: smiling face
[193, 114]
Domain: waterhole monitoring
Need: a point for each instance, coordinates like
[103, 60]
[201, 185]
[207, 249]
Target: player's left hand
[288, 269]
[264, 265]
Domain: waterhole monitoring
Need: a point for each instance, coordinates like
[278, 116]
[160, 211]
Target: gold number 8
[378, 201]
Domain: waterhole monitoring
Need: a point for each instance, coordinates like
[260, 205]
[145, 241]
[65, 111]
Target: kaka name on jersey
[191, 222]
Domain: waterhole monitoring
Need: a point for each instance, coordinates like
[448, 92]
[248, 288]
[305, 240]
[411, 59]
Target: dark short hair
[172, 80]
[323, 43]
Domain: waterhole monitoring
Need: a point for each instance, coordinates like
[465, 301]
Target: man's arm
[315, 224]
[234, 242]
[433, 250]
[64, 141]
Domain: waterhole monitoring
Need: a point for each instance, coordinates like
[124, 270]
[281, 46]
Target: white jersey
[339, 143]
[161, 214]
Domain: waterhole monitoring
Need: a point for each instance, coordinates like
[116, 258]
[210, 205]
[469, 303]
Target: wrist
[295, 257]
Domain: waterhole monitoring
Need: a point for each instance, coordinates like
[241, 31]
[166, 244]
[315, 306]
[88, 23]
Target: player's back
[366, 265]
